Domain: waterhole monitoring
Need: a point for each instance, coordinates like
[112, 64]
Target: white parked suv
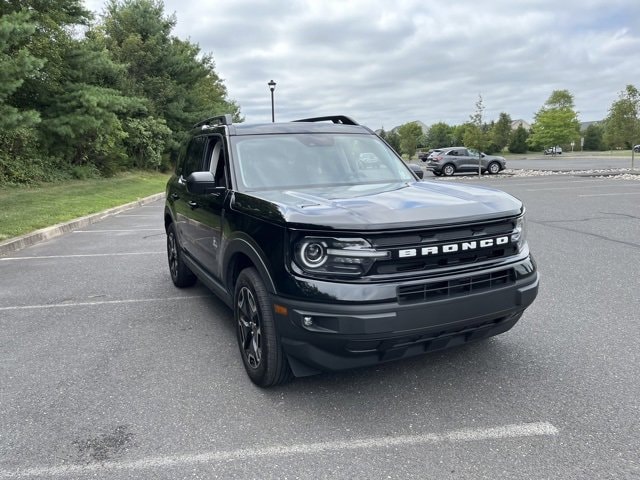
[557, 150]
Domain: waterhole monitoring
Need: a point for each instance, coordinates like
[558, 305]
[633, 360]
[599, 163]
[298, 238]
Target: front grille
[395, 243]
[456, 287]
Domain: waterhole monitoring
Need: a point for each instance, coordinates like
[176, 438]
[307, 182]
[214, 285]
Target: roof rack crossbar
[333, 118]
[219, 120]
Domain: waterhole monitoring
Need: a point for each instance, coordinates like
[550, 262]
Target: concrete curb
[23, 241]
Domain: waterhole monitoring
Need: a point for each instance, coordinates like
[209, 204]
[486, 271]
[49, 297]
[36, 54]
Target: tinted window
[194, 157]
[315, 160]
[181, 156]
[215, 160]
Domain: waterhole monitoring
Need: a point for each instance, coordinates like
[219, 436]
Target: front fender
[245, 245]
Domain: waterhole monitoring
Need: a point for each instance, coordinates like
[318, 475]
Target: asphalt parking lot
[108, 371]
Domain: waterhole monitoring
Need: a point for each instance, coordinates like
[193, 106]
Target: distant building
[520, 123]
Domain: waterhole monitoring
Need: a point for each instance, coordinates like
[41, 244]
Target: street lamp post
[272, 87]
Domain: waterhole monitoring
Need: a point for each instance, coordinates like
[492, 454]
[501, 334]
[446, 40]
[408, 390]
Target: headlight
[519, 234]
[313, 254]
[336, 256]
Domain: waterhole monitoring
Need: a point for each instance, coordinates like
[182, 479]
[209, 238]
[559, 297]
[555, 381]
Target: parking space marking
[103, 302]
[133, 215]
[630, 185]
[117, 231]
[7, 259]
[245, 454]
[534, 182]
[609, 194]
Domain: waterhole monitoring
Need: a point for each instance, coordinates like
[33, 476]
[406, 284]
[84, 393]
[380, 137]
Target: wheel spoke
[256, 344]
[249, 327]
[173, 255]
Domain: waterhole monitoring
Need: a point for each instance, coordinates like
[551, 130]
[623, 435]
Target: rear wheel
[180, 273]
[448, 170]
[260, 348]
[494, 167]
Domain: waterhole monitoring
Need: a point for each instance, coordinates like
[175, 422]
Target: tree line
[555, 123]
[84, 97]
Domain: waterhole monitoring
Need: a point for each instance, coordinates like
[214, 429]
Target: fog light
[307, 321]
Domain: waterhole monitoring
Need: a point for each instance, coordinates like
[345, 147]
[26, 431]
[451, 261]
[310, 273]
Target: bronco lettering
[454, 247]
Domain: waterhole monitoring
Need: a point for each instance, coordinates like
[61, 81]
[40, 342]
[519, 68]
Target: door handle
[175, 196]
[193, 205]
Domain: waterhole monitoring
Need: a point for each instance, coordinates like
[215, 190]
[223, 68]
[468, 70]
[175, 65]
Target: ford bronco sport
[328, 263]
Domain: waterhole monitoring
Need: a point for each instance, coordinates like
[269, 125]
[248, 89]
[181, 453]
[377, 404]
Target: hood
[378, 207]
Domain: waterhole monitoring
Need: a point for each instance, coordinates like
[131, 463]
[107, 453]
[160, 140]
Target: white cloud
[388, 63]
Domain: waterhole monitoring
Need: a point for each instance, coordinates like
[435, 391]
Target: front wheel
[494, 167]
[260, 348]
[448, 170]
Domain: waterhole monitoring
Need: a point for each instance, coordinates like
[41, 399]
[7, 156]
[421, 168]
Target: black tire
[493, 168]
[180, 274]
[448, 170]
[258, 341]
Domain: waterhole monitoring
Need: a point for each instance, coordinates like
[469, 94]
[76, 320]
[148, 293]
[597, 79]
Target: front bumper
[329, 336]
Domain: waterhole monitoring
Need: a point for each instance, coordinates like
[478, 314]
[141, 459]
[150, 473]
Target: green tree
[179, 82]
[409, 134]
[50, 43]
[16, 65]
[439, 135]
[474, 137]
[458, 132]
[501, 132]
[622, 125]
[556, 123]
[593, 137]
[393, 139]
[88, 118]
[518, 142]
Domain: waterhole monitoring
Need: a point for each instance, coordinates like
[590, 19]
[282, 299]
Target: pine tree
[518, 143]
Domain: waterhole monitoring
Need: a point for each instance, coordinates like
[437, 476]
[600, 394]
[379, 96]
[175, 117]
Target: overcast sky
[386, 63]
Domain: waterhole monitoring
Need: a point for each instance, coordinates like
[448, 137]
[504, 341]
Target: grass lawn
[25, 209]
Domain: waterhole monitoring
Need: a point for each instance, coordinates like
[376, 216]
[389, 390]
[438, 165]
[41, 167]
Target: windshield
[287, 161]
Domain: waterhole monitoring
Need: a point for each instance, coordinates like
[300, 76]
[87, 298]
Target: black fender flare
[244, 244]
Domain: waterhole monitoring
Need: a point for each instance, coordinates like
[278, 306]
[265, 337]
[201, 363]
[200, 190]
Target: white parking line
[619, 185]
[609, 194]
[104, 302]
[115, 231]
[456, 436]
[81, 256]
[536, 183]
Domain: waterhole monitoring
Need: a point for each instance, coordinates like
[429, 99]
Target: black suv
[331, 252]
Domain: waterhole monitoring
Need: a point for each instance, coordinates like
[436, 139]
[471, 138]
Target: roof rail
[334, 118]
[219, 120]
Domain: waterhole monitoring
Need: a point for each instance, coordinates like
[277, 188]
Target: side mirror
[482, 155]
[201, 183]
[416, 169]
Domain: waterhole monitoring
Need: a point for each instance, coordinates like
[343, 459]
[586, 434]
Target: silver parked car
[461, 159]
